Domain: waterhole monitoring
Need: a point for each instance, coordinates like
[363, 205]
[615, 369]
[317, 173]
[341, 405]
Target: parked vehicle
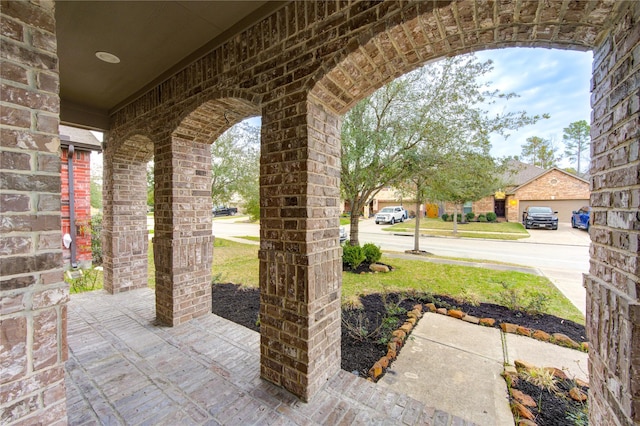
[581, 218]
[343, 234]
[540, 217]
[224, 211]
[391, 215]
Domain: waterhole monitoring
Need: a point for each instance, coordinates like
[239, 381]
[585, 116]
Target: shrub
[96, 239]
[492, 217]
[445, 216]
[352, 255]
[482, 218]
[372, 252]
[470, 216]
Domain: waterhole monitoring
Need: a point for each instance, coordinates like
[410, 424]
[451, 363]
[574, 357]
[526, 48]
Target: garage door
[563, 207]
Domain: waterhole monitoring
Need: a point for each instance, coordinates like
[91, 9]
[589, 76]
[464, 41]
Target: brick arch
[206, 120]
[136, 148]
[427, 33]
[124, 234]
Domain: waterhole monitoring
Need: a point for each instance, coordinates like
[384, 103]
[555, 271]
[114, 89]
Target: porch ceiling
[153, 39]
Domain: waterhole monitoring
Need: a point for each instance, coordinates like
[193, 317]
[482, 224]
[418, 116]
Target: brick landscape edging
[400, 335]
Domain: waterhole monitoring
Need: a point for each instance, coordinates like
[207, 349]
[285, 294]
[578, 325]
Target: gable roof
[546, 172]
[519, 173]
[79, 138]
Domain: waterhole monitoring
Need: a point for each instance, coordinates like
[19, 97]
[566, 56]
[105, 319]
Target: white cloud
[548, 81]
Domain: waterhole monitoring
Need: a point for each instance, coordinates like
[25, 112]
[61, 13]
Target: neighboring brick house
[76, 146]
[529, 185]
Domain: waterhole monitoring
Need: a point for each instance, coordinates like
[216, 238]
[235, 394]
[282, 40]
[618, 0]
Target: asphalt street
[562, 255]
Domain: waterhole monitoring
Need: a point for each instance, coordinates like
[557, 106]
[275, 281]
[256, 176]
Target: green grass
[345, 220]
[250, 238]
[437, 227]
[238, 263]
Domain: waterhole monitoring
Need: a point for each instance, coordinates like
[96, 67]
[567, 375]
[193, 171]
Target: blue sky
[548, 81]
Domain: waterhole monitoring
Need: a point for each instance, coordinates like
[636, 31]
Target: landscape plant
[372, 253]
[353, 255]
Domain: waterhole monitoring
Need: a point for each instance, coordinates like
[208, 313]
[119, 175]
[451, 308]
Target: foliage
[482, 218]
[95, 189]
[445, 216]
[252, 207]
[491, 216]
[353, 255]
[96, 239]
[150, 184]
[82, 280]
[372, 252]
[577, 138]
[235, 168]
[527, 300]
[540, 152]
[541, 377]
[470, 216]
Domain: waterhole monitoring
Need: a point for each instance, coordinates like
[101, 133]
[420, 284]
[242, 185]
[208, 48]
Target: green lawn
[437, 227]
[238, 263]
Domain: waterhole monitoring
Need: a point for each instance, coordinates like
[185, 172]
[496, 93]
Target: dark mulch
[555, 408]
[362, 268]
[241, 305]
[547, 323]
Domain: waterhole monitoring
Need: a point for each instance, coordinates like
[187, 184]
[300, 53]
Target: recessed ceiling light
[108, 57]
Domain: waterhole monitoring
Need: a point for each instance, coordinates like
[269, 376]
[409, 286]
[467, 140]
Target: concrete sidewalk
[458, 366]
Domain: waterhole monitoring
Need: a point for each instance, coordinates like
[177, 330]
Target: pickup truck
[224, 211]
[391, 215]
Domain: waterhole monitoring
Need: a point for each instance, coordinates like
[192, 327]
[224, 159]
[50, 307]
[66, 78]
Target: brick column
[300, 256]
[125, 237]
[183, 241]
[33, 295]
[613, 283]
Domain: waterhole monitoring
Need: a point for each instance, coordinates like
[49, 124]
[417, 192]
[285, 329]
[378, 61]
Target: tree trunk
[353, 232]
[455, 219]
[416, 237]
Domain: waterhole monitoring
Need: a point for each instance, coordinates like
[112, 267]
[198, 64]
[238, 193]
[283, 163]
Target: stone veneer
[33, 295]
[301, 69]
[613, 282]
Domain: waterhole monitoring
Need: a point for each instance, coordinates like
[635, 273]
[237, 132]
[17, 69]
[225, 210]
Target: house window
[468, 207]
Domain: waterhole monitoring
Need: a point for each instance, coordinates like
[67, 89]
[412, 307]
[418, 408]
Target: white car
[391, 215]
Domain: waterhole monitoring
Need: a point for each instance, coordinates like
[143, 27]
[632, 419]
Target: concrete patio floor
[125, 370]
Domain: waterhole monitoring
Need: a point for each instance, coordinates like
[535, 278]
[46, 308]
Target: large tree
[539, 152]
[235, 164]
[401, 133]
[577, 139]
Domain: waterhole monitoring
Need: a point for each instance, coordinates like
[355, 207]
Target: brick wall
[82, 200]
[554, 185]
[613, 282]
[33, 295]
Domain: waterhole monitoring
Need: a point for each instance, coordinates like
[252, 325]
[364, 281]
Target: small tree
[468, 176]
